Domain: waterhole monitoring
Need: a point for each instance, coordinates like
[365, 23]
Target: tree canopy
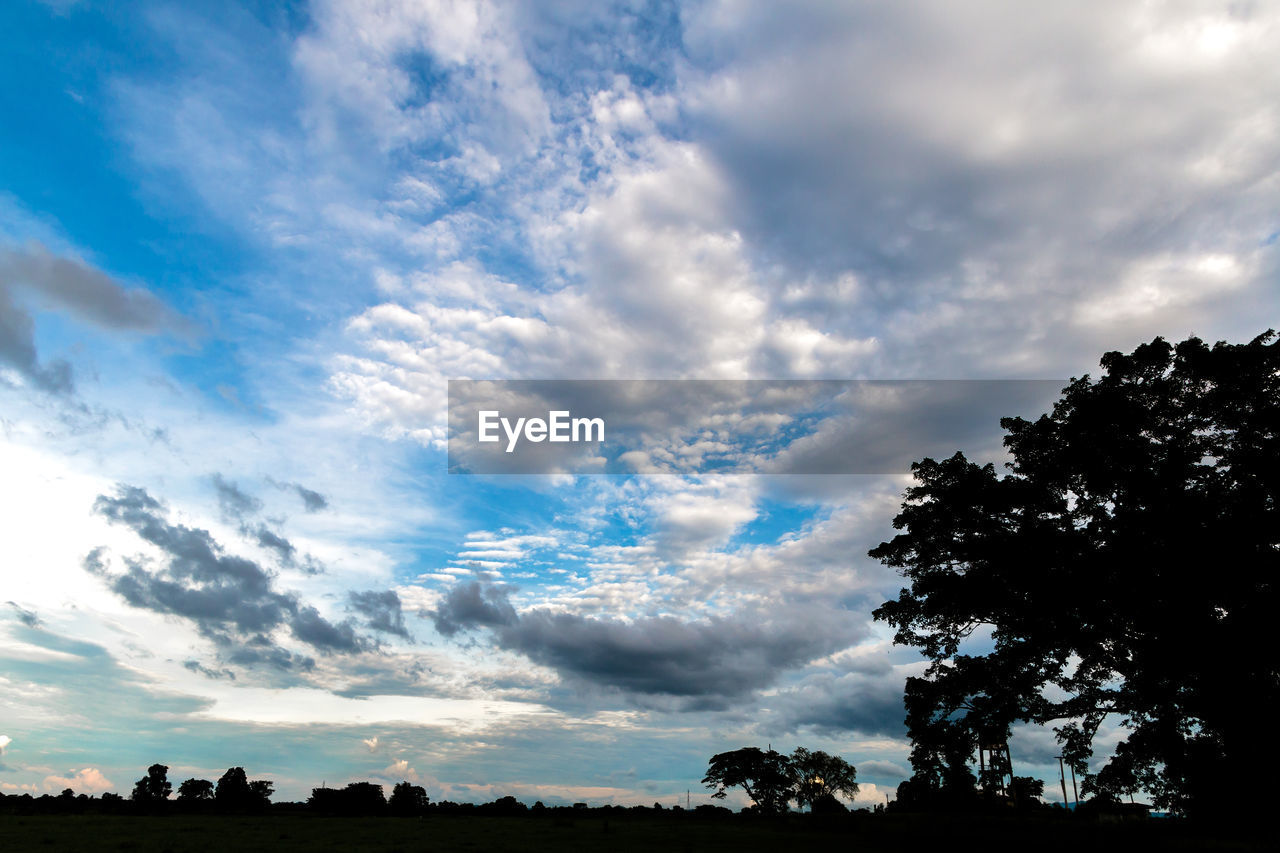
[765, 776]
[194, 790]
[819, 775]
[408, 800]
[772, 780]
[1123, 569]
[235, 792]
[154, 787]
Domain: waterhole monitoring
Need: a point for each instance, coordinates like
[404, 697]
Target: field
[591, 832]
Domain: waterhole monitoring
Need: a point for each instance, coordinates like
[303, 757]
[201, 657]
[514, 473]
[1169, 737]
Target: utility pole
[1062, 777]
[1075, 795]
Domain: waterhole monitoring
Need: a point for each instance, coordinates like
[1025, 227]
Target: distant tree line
[773, 781]
[233, 792]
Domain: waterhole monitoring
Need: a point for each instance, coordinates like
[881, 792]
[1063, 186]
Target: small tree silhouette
[193, 790]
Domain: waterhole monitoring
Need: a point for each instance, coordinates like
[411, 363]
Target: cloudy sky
[244, 247]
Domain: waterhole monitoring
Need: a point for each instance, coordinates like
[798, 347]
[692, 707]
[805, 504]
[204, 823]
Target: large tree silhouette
[1125, 568]
[766, 777]
[819, 775]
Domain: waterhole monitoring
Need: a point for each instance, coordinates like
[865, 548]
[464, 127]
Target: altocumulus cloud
[230, 600]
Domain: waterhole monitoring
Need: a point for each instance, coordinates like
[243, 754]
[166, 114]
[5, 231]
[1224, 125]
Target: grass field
[179, 834]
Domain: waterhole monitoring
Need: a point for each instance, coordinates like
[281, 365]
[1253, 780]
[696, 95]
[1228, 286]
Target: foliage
[154, 787]
[357, 799]
[772, 780]
[765, 776]
[235, 792]
[818, 775]
[260, 791]
[1026, 790]
[1124, 568]
[193, 790]
[233, 788]
[408, 800]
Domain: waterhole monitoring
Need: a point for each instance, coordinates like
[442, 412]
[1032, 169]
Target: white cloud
[88, 780]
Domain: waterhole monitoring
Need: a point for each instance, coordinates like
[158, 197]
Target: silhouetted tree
[819, 775]
[365, 797]
[827, 804]
[193, 790]
[260, 791]
[765, 776]
[235, 792]
[357, 799]
[154, 787]
[1026, 791]
[233, 789]
[408, 800]
[1124, 567]
[507, 805]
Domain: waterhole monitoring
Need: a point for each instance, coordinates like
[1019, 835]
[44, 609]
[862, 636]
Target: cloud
[230, 600]
[26, 617]
[398, 771]
[85, 292]
[979, 184]
[313, 501]
[197, 667]
[234, 502]
[88, 780]
[273, 541]
[382, 611]
[830, 704]
[471, 605]
[882, 768]
[708, 663]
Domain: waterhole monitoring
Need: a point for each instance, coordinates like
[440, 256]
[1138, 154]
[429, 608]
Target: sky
[245, 246]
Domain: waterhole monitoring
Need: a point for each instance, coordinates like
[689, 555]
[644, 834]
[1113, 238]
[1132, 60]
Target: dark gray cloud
[231, 600]
[312, 628]
[237, 505]
[312, 500]
[707, 663]
[207, 672]
[274, 541]
[73, 286]
[871, 770]
[473, 605]
[18, 349]
[382, 611]
[234, 502]
[868, 703]
[26, 617]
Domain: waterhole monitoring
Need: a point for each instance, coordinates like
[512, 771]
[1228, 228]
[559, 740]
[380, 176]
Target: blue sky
[244, 247]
